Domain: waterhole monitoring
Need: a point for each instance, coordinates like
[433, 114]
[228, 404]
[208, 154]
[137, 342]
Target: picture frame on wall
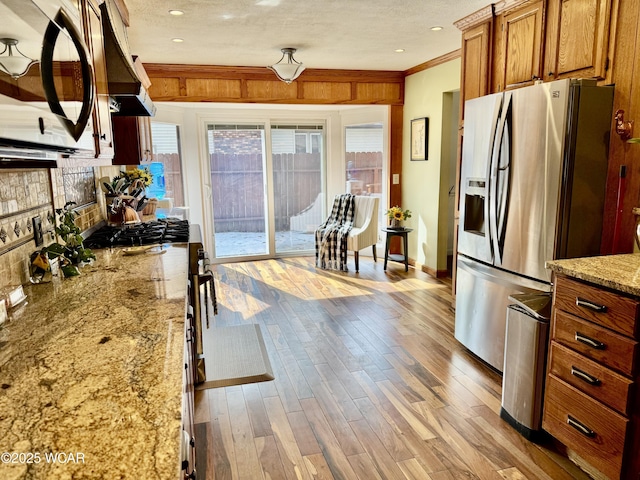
[420, 138]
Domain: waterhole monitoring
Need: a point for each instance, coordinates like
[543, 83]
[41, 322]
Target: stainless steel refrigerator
[532, 186]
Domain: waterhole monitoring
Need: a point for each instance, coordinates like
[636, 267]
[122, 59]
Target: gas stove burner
[156, 231]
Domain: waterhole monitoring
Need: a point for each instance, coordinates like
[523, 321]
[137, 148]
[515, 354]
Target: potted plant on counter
[72, 253]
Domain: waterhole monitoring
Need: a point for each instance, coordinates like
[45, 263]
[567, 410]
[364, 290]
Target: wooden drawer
[596, 433]
[595, 342]
[599, 382]
[600, 306]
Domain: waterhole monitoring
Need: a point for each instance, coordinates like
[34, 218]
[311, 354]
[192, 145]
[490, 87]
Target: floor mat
[235, 355]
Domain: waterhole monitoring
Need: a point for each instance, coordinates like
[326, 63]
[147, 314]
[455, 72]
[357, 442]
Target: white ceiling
[340, 34]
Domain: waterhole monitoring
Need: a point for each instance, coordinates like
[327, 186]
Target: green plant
[72, 253]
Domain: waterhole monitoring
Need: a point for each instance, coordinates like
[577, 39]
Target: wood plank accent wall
[625, 65]
[211, 83]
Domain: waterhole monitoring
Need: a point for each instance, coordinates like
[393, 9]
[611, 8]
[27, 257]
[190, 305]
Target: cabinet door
[475, 62]
[146, 145]
[578, 33]
[521, 42]
[132, 140]
[101, 114]
[126, 139]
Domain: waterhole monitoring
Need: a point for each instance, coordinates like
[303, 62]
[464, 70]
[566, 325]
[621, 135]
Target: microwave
[46, 82]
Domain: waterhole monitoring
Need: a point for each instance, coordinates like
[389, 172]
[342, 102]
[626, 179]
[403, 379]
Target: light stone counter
[92, 366]
[619, 272]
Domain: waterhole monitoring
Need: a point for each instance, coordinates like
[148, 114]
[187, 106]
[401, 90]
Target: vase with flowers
[396, 216]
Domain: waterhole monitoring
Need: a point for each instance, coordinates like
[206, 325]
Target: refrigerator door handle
[499, 181]
[488, 211]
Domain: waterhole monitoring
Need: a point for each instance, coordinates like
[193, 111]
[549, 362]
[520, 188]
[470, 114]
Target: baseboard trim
[428, 270]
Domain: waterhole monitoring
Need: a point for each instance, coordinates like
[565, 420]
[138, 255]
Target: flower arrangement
[140, 176]
[396, 213]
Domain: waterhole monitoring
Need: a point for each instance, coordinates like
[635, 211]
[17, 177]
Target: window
[166, 167]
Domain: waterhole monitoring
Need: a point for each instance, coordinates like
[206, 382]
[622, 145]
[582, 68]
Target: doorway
[450, 114]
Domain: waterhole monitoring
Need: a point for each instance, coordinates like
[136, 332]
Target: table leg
[406, 250]
[386, 251]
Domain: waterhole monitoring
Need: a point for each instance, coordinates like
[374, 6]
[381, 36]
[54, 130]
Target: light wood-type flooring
[370, 384]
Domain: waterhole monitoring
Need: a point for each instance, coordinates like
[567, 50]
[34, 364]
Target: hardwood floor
[370, 384]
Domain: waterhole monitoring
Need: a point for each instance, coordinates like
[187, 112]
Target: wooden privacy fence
[365, 167]
[172, 177]
[237, 182]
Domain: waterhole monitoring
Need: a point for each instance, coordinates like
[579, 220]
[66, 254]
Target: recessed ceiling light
[176, 12]
[399, 50]
[177, 40]
[437, 28]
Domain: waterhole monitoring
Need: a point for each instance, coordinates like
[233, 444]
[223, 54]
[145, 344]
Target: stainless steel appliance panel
[48, 106]
[524, 369]
[481, 304]
[529, 169]
[585, 164]
[478, 144]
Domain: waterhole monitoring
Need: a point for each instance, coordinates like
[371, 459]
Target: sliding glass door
[297, 153]
[237, 166]
[365, 169]
[267, 188]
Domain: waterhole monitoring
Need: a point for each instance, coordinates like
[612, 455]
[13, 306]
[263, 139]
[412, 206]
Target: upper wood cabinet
[101, 114]
[475, 54]
[517, 57]
[132, 140]
[102, 152]
[578, 37]
[101, 119]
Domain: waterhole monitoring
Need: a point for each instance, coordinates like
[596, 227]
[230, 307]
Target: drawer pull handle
[590, 379]
[581, 302]
[586, 431]
[590, 341]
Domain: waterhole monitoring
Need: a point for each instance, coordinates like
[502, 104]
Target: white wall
[421, 179]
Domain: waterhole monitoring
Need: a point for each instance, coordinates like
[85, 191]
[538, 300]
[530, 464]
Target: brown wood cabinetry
[132, 139]
[578, 36]
[101, 114]
[476, 54]
[591, 402]
[101, 118]
[475, 59]
[517, 58]
[188, 409]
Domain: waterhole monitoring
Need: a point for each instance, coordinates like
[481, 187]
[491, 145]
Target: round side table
[395, 257]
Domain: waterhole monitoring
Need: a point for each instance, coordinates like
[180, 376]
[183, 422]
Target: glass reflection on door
[297, 153]
[237, 165]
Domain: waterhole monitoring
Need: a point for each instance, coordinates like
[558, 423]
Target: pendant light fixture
[287, 69]
[14, 65]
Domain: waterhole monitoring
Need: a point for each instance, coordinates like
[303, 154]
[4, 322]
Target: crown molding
[505, 5]
[447, 57]
[476, 18]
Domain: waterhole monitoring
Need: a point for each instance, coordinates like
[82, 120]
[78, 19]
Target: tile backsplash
[26, 193]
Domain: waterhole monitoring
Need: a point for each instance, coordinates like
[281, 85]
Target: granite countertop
[92, 366]
[619, 272]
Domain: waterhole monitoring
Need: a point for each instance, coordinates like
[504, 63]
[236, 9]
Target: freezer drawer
[482, 297]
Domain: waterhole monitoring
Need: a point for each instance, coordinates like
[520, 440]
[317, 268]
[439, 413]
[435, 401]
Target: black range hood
[125, 86]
